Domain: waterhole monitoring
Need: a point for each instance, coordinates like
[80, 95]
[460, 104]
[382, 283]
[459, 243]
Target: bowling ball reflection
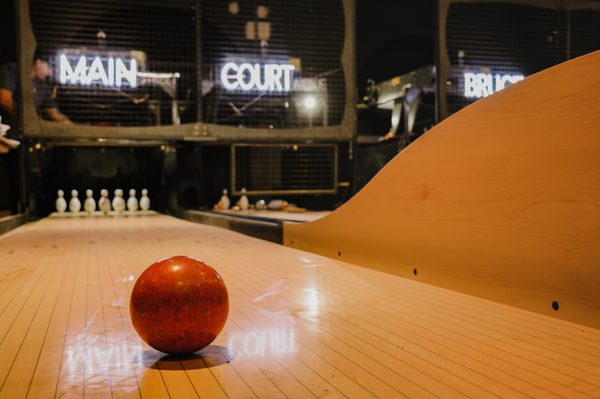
[179, 305]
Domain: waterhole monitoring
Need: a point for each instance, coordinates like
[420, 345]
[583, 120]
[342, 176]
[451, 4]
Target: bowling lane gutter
[11, 222]
[266, 229]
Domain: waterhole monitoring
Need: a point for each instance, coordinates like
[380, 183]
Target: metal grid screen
[284, 168]
[116, 63]
[304, 37]
[490, 44]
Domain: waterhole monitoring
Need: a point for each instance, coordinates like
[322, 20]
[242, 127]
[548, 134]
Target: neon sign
[104, 71]
[478, 85]
[265, 77]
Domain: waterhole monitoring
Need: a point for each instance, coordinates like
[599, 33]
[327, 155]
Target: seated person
[43, 97]
[42, 92]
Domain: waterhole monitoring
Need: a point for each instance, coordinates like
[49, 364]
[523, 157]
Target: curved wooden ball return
[501, 201]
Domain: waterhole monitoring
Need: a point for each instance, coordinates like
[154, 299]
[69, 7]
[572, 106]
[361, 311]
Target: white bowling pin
[89, 205]
[61, 203]
[104, 201]
[74, 204]
[261, 205]
[132, 202]
[118, 203]
[145, 201]
[224, 202]
[243, 203]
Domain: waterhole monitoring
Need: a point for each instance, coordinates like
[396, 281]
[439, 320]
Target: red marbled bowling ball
[179, 305]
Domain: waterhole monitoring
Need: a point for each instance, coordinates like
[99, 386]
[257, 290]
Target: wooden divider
[501, 200]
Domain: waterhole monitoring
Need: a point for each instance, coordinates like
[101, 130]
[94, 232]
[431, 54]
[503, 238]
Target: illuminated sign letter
[287, 76]
[262, 84]
[276, 78]
[67, 75]
[96, 72]
[121, 72]
[471, 85]
[486, 84]
[246, 85]
[226, 77]
[502, 80]
[111, 71]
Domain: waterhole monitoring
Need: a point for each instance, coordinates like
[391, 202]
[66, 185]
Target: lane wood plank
[18, 380]
[300, 325]
[12, 344]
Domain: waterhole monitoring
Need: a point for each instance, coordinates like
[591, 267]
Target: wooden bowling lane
[300, 325]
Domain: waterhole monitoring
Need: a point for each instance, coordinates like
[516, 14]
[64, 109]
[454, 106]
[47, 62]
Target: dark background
[392, 37]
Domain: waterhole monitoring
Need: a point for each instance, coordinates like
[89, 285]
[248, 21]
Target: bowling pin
[132, 202]
[243, 203]
[118, 203]
[145, 201]
[224, 202]
[89, 205]
[104, 202]
[74, 204]
[61, 203]
[261, 205]
[277, 205]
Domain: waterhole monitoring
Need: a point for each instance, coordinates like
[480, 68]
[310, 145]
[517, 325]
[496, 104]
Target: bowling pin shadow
[211, 356]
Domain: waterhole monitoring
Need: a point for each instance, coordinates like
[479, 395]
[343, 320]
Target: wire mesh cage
[284, 168]
[488, 45]
[206, 67]
[273, 64]
[116, 63]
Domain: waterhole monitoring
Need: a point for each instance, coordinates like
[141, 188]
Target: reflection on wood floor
[300, 325]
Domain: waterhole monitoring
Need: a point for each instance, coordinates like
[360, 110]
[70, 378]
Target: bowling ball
[179, 305]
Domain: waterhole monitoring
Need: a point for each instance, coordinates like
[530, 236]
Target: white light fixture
[309, 102]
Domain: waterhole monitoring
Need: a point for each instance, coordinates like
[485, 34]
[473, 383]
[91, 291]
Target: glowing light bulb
[310, 102]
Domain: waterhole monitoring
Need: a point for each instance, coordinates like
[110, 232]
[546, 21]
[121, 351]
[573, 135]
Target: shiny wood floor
[300, 325]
